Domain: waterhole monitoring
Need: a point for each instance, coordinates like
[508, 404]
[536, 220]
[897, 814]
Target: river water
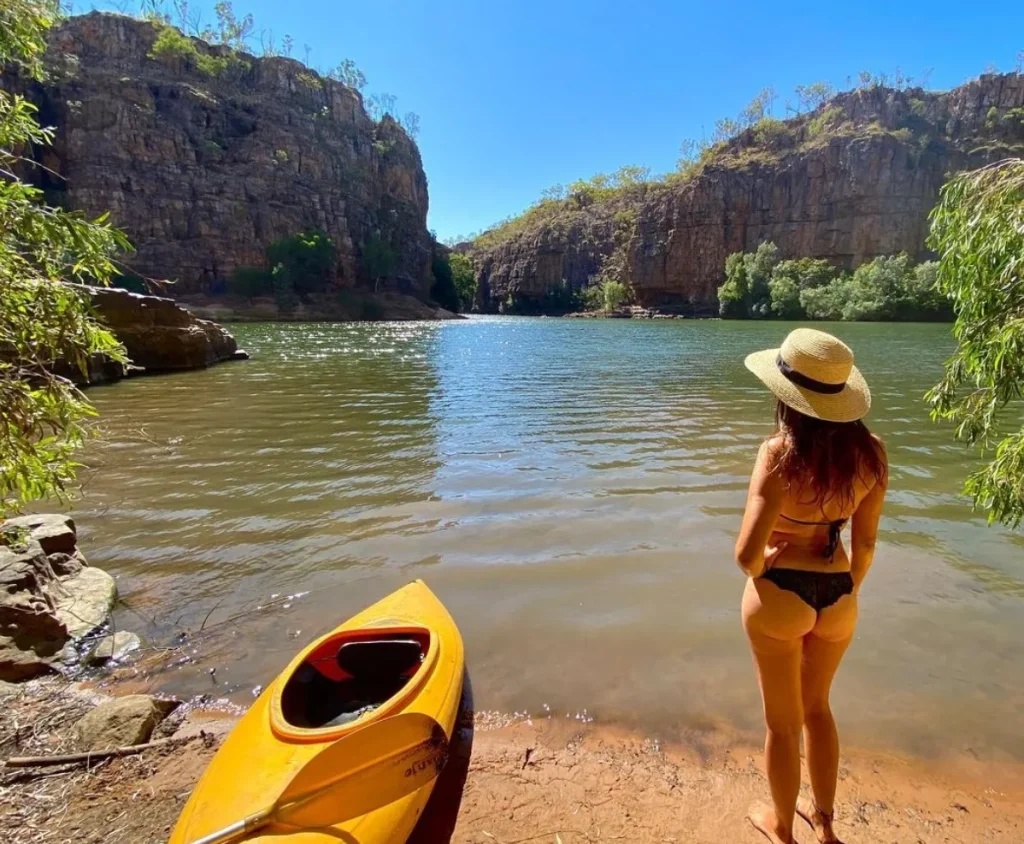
[571, 489]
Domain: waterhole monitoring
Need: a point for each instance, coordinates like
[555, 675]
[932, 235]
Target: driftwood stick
[94, 755]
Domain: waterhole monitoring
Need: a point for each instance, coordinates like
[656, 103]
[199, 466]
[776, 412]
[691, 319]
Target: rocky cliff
[854, 179]
[204, 169]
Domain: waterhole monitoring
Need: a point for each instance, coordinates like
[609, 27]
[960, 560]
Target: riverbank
[511, 780]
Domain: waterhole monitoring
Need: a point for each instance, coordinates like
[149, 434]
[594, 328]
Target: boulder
[115, 647]
[23, 663]
[84, 601]
[67, 565]
[122, 722]
[54, 533]
[158, 334]
[27, 609]
[48, 596]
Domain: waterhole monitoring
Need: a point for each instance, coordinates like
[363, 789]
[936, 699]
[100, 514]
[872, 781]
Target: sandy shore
[513, 781]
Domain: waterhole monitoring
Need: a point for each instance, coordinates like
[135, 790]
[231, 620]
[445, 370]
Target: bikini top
[835, 528]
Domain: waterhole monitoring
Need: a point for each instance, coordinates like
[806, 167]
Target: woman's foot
[819, 821]
[764, 820]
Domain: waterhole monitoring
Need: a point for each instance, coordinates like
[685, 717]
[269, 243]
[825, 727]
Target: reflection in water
[571, 489]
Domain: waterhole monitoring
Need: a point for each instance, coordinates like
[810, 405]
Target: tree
[44, 323]
[759, 266]
[616, 294]
[411, 123]
[813, 95]
[443, 289]
[348, 74]
[464, 279]
[733, 294]
[232, 31]
[308, 258]
[379, 259]
[978, 232]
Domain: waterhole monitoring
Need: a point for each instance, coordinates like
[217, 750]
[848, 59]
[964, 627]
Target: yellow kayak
[403, 654]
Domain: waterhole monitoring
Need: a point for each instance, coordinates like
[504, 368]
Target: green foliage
[829, 120]
[443, 290]
[348, 74]
[790, 278]
[590, 298]
[45, 324]
[757, 284]
[978, 232]
[283, 287]
[615, 294]
[251, 282]
[308, 259]
[746, 291]
[311, 80]
[171, 43]
[771, 133]
[734, 293]
[379, 259]
[889, 288]
[813, 96]
[465, 280]
[561, 203]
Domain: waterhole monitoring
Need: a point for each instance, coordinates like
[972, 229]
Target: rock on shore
[49, 595]
[158, 334]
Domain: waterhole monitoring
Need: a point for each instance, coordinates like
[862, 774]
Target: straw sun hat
[813, 373]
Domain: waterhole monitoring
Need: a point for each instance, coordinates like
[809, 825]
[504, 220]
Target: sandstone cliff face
[860, 188]
[204, 171]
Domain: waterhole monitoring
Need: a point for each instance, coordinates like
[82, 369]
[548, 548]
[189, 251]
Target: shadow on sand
[437, 825]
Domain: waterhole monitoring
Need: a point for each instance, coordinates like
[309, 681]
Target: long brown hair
[825, 458]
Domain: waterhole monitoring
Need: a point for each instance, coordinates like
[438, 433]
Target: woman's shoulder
[880, 448]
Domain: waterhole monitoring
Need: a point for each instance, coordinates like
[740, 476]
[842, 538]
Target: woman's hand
[771, 552]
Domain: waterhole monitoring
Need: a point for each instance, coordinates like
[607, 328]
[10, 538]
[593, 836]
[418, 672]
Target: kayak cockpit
[350, 674]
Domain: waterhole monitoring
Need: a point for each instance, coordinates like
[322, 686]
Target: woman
[819, 470]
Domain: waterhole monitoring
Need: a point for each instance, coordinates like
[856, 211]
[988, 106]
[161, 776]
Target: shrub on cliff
[42, 320]
[172, 44]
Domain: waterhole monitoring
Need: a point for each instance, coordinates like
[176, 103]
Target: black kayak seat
[376, 669]
[379, 659]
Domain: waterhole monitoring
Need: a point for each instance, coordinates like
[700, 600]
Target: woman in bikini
[820, 470]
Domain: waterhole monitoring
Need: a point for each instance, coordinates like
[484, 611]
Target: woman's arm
[764, 502]
[864, 533]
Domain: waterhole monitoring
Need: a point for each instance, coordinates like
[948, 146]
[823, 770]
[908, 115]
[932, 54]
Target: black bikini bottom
[817, 589]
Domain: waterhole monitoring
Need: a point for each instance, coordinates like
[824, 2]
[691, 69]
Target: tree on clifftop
[42, 320]
[978, 230]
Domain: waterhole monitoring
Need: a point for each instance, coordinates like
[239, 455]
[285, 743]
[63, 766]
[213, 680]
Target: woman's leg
[822, 655]
[776, 622]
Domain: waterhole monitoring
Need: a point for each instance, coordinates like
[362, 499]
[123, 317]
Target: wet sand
[514, 780]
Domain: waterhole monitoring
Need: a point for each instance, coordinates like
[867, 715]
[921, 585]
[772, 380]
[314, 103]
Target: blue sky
[516, 96]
